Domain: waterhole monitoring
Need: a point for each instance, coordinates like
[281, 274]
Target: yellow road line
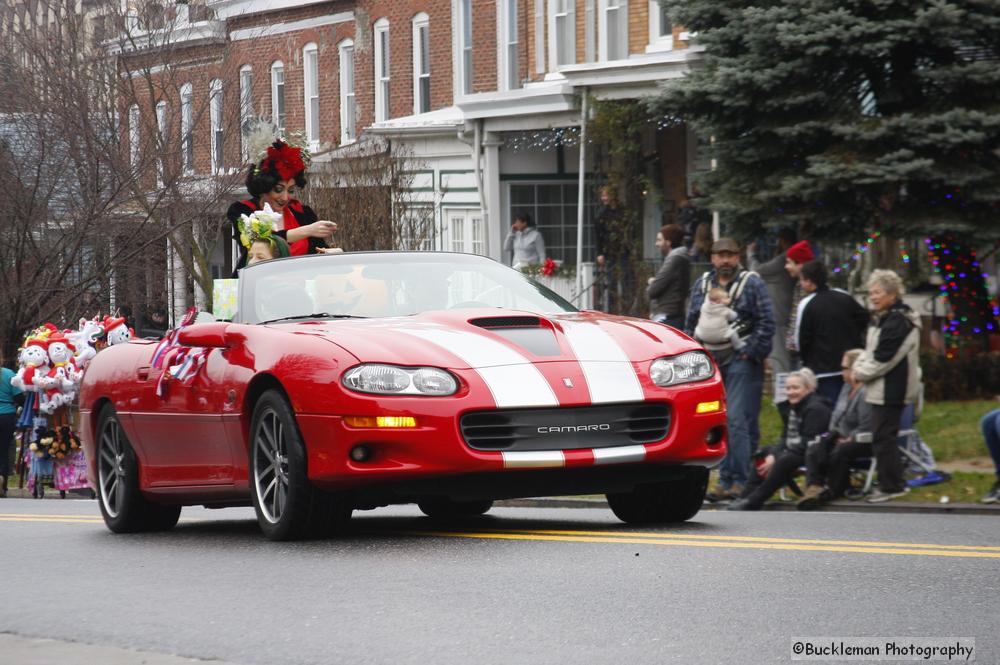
[747, 539]
[874, 549]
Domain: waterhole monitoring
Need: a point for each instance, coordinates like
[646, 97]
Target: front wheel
[444, 508]
[123, 506]
[288, 506]
[664, 502]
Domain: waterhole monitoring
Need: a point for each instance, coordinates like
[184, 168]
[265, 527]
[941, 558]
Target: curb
[842, 506]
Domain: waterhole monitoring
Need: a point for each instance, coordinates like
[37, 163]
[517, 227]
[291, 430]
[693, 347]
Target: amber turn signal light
[381, 422]
[708, 407]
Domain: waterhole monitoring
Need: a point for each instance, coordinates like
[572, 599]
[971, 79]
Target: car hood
[478, 338]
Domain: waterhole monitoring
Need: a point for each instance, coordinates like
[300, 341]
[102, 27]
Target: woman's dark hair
[264, 181]
[526, 218]
[673, 234]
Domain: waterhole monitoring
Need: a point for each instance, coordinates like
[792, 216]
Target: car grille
[566, 428]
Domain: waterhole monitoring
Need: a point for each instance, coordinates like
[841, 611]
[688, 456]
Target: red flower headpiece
[284, 160]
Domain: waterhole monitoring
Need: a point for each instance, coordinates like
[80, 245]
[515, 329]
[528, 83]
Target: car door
[179, 424]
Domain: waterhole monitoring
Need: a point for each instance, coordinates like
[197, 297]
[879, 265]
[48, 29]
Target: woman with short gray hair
[890, 370]
[805, 424]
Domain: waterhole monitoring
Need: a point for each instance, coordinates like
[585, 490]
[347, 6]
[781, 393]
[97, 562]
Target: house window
[381, 70]
[562, 33]
[661, 30]
[508, 53]
[553, 206]
[613, 25]
[278, 96]
[161, 130]
[246, 107]
[465, 45]
[215, 120]
[421, 64]
[348, 116]
[187, 125]
[310, 67]
[134, 135]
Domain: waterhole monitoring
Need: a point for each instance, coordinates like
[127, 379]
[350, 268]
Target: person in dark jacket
[273, 180]
[668, 290]
[830, 322]
[806, 422]
[890, 370]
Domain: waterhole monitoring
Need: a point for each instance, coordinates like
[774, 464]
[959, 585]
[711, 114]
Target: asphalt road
[523, 585]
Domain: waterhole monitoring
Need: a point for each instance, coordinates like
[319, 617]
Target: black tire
[288, 506]
[445, 508]
[664, 502]
[124, 508]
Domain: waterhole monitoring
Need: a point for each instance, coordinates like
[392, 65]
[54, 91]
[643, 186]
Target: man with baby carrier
[739, 327]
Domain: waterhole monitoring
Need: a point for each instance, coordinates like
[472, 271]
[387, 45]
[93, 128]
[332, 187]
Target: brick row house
[479, 92]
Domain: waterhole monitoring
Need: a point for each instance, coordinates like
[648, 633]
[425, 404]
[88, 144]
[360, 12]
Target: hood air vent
[507, 322]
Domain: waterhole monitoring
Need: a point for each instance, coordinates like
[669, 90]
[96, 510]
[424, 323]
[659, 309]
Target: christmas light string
[970, 308]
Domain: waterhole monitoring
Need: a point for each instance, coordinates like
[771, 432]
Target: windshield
[381, 284]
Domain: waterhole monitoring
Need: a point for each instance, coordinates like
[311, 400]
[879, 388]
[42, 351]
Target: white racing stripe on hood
[512, 378]
[609, 373]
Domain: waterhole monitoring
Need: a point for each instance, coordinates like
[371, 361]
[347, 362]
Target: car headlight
[690, 366]
[393, 380]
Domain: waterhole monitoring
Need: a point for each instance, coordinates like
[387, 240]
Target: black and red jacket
[296, 214]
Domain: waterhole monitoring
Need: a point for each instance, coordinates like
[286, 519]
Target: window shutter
[540, 36]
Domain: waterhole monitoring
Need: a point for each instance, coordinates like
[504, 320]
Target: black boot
[3, 487]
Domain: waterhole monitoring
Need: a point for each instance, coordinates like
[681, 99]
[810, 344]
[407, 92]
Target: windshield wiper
[319, 315]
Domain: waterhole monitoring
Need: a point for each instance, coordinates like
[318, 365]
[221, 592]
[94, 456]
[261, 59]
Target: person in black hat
[743, 369]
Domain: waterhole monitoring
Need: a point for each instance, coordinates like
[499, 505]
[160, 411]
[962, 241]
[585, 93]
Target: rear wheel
[663, 502]
[288, 506]
[123, 506]
[444, 508]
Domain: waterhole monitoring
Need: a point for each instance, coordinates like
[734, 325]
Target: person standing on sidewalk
[742, 371]
[668, 290]
[797, 256]
[831, 322]
[890, 370]
[8, 419]
[780, 285]
[991, 435]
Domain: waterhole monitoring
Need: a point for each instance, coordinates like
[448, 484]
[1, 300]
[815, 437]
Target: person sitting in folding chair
[828, 463]
[806, 423]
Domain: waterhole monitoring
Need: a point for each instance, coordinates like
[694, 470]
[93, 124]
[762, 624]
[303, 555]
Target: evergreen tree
[845, 115]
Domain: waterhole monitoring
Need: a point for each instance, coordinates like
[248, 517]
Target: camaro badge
[568, 382]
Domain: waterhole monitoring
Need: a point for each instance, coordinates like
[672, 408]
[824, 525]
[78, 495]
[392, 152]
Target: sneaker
[993, 496]
[722, 493]
[742, 504]
[813, 498]
[878, 496]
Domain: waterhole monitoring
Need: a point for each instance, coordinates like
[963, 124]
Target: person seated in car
[804, 425]
[258, 237]
[828, 463]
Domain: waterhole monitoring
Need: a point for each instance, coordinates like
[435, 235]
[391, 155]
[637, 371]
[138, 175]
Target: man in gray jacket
[779, 286]
[668, 290]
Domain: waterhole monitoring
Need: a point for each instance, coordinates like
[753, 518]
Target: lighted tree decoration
[972, 315]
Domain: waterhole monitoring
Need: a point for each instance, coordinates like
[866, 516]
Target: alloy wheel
[270, 465]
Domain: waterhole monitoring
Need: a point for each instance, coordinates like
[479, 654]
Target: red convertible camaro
[353, 381]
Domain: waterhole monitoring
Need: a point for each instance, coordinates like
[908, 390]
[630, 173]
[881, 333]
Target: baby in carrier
[715, 324]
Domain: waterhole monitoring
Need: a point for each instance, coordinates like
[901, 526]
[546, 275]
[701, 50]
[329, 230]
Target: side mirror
[206, 335]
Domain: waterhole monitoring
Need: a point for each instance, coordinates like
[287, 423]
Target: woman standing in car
[274, 180]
